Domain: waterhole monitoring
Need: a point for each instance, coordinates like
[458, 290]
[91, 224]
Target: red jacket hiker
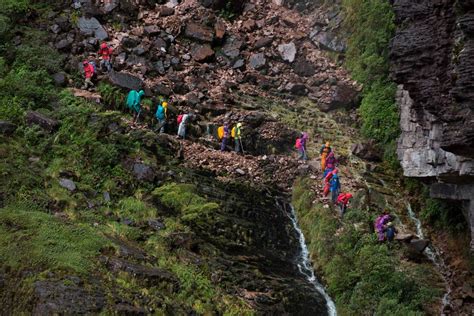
[326, 182]
[343, 198]
[105, 51]
[88, 70]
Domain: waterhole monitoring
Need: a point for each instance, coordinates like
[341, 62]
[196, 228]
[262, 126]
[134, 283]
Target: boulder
[343, 96]
[263, 42]
[155, 224]
[66, 298]
[7, 128]
[67, 184]
[202, 53]
[304, 68]
[162, 90]
[125, 80]
[287, 52]
[64, 44]
[166, 11]
[418, 245]
[367, 151]
[219, 30]
[404, 237]
[36, 118]
[328, 40]
[199, 32]
[257, 61]
[296, 89]
[59, 79]
[151, 30]
[232, 46]
[143, 172]
[92, 27]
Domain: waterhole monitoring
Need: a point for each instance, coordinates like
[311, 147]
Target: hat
[85, 62]
[165, 104]
[103, 45]
[389, 224]
[239, 124]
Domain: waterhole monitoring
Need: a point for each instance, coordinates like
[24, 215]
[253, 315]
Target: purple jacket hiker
[225, 137]
[302, 149]
[379, 225]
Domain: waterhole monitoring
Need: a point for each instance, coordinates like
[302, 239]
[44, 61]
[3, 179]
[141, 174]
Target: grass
[31, 239]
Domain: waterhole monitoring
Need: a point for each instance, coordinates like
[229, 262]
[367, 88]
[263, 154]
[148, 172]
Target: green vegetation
[370, 25]
[35, 240]
[363, 276]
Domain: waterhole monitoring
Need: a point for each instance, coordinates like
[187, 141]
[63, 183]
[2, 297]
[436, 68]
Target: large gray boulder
[287, 52]
[92, 27]
[36, 118]
[125, 80]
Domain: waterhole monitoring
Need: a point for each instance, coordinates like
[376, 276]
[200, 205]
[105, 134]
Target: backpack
[390, 233]
[220, 132]
[92, 63]
[180, 118]
[232, 132]
[298, 143]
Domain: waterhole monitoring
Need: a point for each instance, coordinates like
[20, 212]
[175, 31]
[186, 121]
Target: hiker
[326, 182]
[134, 99]
[301, 146]
[225, 136]
[162, 115]
[342, 201]
[183, 120]
[105, 53]
[236, 134]
[379, 225]
[334, 187]
[330, 163]
[390, 231]
[89, 71]
[325, 150]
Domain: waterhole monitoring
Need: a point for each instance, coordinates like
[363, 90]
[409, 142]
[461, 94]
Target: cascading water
[305, 267]
[432, 253]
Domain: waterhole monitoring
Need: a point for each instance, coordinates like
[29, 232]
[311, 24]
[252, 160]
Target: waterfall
[305, 267]
[432, 253]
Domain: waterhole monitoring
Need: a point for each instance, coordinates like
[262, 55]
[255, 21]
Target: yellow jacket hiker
[236, 134]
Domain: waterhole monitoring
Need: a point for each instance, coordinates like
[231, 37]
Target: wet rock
[239, 63]
[143, 172]
[55, 298]
[59, 79]
[419, 245]
[287, 51]
[151, 276]
[7, 128]
[67, 184]
[304, 68]
[92, 27]
[367, 151]
[130, 42]
[263, 42]
[202, 53]
[257, 61]
[404, 237]
[47, 123]
[199, 32]
[166, 11]
[125, 80]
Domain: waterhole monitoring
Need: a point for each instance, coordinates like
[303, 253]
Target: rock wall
[432, 55]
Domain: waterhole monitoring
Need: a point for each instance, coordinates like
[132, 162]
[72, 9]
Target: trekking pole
[138, 115]
[242, 146]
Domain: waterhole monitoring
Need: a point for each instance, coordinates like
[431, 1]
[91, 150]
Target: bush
[370, 25]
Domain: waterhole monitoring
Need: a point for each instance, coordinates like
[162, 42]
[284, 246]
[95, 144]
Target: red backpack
[180, 118]
[298, 143]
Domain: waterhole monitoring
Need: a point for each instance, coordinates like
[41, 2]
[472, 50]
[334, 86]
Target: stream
[432, 253]
[305, 267]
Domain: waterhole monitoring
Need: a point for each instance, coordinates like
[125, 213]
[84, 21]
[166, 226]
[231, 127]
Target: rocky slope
[432, 58]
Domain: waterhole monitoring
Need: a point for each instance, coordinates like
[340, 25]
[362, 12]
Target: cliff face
[432, 58]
